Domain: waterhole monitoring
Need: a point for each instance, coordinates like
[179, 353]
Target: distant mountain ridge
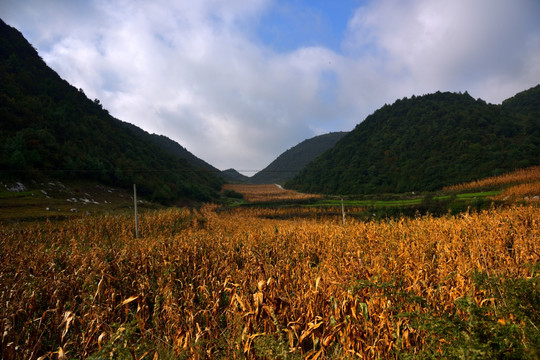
[427, 142]
[525, 103]
[173, 148]
[293, 160]
[50, 129]
[234, 176]
[177, 150]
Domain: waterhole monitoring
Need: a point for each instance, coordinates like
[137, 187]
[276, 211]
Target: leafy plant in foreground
[502, 326]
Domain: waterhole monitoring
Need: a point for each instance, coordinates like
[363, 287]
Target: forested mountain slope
[49, 129]
[526, 105]
[173, 148]
[233, 176]
[289, 163]
[427, 142]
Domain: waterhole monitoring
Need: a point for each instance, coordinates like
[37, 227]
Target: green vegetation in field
[55, 200]
[375, 203]
[405, 201]
[483, 194]
[502, 327]
[397, 205]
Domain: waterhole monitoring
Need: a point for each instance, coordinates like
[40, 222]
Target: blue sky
[288, 25]
[238, 82]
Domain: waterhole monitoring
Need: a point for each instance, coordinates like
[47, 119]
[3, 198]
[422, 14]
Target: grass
[482, 194]
[56, 200]
[359, 203]
[405, 200]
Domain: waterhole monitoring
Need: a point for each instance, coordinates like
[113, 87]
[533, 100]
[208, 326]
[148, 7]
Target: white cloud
[459, 45]
[196, 72]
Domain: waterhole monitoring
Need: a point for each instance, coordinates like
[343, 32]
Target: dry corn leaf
[61, 354]
[98, 289]
[258, 298]
[315, 356]
[492, 300]
[327, 340]
[239, 301]
[261, 285]
[67, 319]
[128, 300]
[100, 339]
[317, 282]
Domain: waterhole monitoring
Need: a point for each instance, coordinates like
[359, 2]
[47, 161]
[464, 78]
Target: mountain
[173, 148]
[427, 142]
[526, 104]
[289, 163]
[49, 129]
[177, 150]
[233, 176]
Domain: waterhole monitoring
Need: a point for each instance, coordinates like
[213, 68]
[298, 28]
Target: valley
[415, 235]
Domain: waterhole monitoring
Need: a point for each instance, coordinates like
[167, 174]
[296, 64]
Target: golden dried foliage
[528, 192]
[521, 176]
[234, 284]
[270, 192]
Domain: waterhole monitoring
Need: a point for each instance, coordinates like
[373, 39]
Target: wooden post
[136, 215]
[343, 210]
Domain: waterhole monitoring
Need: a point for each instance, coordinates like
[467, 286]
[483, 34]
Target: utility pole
[343, 210]
[136, 215]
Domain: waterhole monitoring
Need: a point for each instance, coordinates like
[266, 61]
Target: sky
[238, 82]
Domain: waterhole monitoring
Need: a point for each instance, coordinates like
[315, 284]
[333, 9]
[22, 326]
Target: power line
[198, 170]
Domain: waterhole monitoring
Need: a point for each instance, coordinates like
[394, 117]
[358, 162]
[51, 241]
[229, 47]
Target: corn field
[529, 175]
[527, 191]
[234, 284]
[269, 192]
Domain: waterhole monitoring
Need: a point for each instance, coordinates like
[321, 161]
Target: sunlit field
[239, 283]
[270, 192]
[523, 184]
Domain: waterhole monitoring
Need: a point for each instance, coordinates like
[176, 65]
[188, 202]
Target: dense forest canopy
[49, 129]
[427, 142]
[292, 161]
